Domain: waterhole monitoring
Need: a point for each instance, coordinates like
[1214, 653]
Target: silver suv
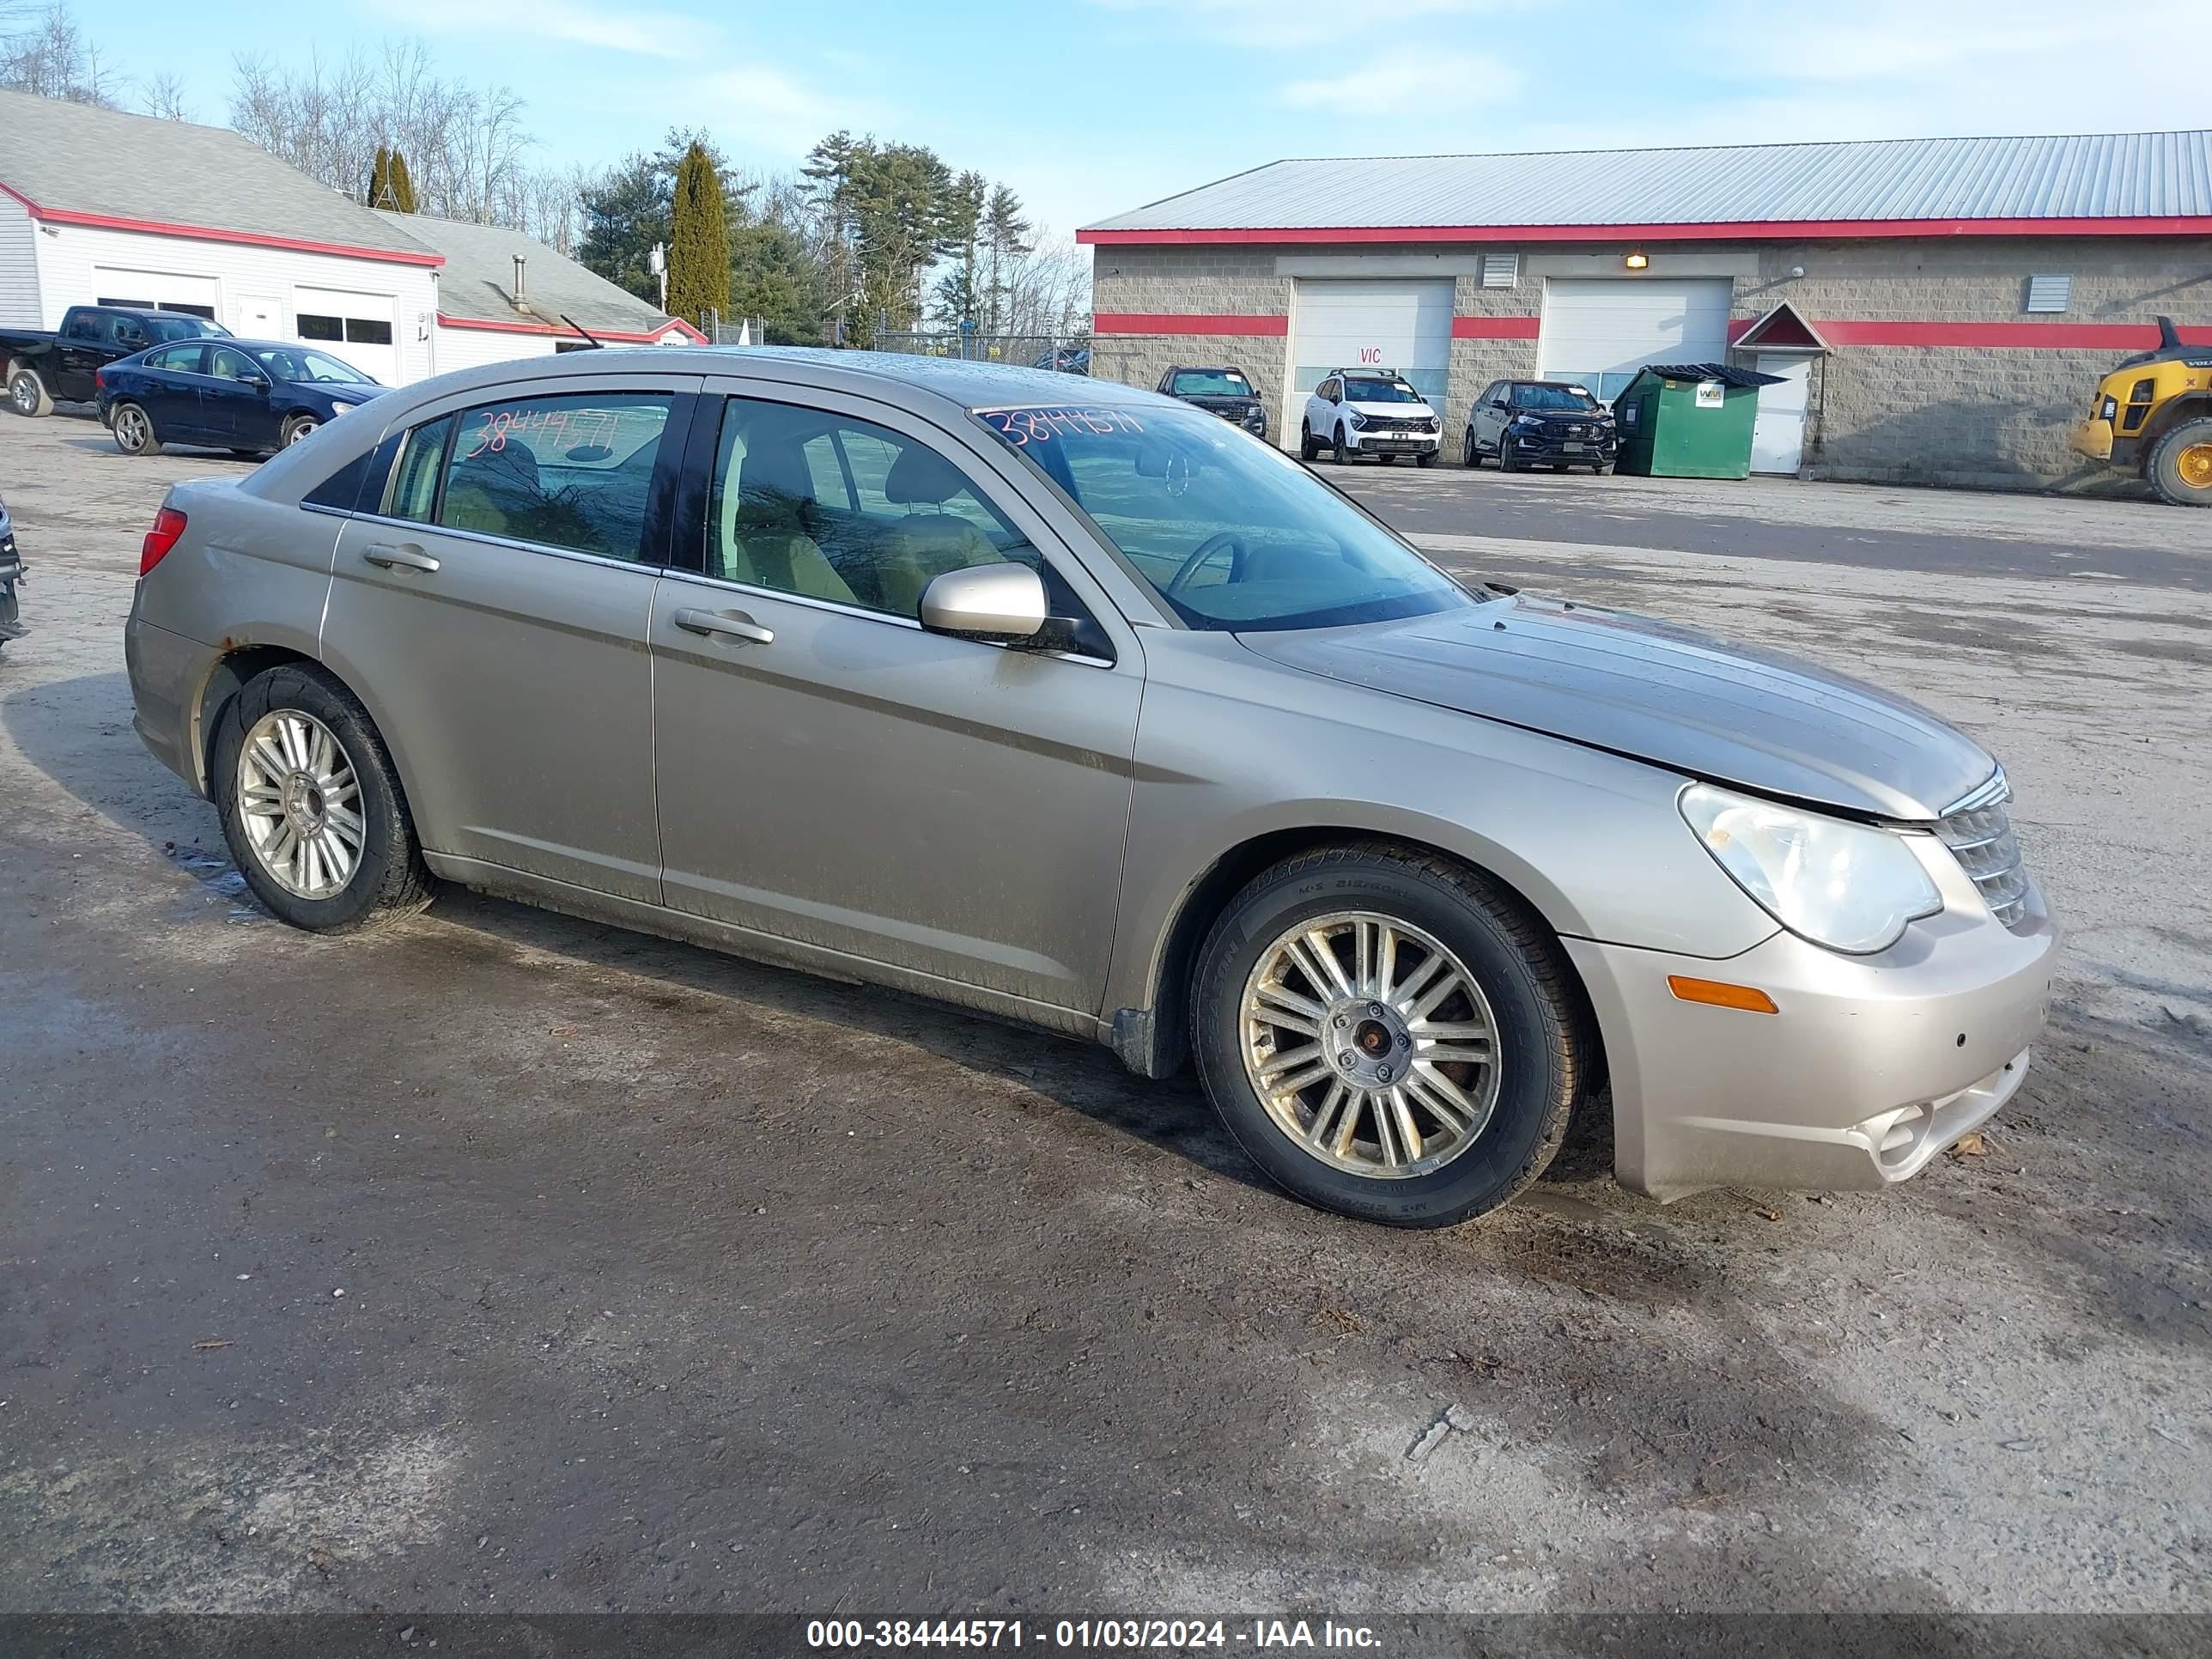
[1074, 703]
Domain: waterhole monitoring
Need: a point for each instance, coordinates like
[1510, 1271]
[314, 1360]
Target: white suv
[1369, 412]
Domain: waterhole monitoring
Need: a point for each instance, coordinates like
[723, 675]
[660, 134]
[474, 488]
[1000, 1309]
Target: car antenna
[596, 344]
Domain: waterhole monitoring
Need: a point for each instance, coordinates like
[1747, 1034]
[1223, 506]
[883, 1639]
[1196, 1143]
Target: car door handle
[728, 624]
[403, 555]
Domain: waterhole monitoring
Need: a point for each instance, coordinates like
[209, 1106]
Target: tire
[132, 428]
[2180, 465]
[1505, 461]
[253, 455]
[1470, 456]
[27, 394]
[295, 428]
[1307, 448]
[385, 878]
[1338, 452]
[1426, 457]
[1543, 1049]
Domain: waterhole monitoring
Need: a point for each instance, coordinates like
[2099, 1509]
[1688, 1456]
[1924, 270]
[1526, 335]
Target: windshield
[1230, 533]
[1211, 383]
[1551, 397]
[161, 329]
[295, 363]
[1379, 392]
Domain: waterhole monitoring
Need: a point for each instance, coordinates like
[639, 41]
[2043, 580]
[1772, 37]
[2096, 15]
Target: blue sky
[1088, 107]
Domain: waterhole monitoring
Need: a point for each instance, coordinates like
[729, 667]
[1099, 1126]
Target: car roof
[1563, 386]
[1204, 369]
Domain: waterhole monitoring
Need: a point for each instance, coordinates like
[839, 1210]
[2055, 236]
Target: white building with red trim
[99, 207]
[1941, 310]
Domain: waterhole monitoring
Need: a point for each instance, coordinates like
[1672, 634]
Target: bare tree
[164, 96]
[46, 53]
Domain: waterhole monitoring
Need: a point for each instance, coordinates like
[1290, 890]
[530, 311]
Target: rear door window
[179, 360]
[573, 472]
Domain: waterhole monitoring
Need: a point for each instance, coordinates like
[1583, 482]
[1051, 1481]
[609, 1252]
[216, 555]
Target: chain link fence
[1070, 352]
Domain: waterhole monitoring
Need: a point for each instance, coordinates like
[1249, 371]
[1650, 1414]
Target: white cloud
[1281, 25]
[771, 109]
[643, 33]
[1406, 80]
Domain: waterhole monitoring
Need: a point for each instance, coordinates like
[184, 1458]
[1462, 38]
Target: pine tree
[1005, 240]
[698, 240]
[380, 179]
[401, 184]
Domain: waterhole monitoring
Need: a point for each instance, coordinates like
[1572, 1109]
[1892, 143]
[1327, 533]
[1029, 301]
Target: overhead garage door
[1600, 331]
[1405, 325]
[168, 290]
[356, 328]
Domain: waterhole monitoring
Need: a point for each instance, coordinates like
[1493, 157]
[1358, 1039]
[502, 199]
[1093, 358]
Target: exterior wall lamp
[1637, 259]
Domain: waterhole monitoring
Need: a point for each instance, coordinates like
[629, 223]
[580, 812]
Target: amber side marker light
[1721, 995]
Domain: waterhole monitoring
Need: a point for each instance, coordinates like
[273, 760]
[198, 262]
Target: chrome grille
[1979, 832]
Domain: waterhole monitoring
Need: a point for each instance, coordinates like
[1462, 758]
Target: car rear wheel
[2180, 467]
[295, 428]
[312, 807]
[28, 393]
[1388, 1035]
[133, 428]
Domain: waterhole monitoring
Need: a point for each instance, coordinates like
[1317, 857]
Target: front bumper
[11, 573]
[1396, 443]
[1871, 1067]
[1580, 452]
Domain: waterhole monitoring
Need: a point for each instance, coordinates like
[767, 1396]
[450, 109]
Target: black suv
[1552, 423]
[1224, 390]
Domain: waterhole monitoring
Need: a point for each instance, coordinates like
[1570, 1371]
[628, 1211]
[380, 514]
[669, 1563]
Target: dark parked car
[1068, 360]
[1551, 423]
[41, 366]
[11, 573]
[246, 395]
[1225, 392]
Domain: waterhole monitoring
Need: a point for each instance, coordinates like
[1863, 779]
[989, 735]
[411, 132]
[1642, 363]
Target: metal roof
[478, 278]
[2093, 176]
[100, 165]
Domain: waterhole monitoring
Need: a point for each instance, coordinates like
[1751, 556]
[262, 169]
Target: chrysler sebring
[1075, 704]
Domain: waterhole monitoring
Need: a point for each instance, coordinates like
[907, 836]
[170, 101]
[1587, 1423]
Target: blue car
[246, 395]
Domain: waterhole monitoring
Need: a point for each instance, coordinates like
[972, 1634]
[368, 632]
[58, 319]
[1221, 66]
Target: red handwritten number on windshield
[1022, 427]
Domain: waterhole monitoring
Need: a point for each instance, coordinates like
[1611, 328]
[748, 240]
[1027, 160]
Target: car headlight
[1848, 886]
[1357, 419]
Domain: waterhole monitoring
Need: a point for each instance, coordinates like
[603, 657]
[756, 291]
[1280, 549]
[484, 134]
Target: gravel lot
[503, 1261]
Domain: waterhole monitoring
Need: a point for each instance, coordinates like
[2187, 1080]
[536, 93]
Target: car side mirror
[987, 602]
[259, 381]
[1497, 403]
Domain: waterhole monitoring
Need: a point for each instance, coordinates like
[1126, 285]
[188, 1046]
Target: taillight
[99, 377]
[169, 525]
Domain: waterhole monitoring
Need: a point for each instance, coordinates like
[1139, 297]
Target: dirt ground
[506, 1262]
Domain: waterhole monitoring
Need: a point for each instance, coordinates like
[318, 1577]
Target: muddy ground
[503, 1261]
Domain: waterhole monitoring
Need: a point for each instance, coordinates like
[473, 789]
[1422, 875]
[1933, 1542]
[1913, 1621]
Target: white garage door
[355, 327]
[169, 290]
[1600, 331]
[1405, 325]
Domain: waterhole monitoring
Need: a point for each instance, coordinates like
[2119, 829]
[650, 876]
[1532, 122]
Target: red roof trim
[1161, 322]
[1727, 231]
[627, 337]
[1496, 328]
[209, 233]
[2103, 337]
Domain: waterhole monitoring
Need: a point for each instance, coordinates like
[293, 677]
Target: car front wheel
[295, 428]
[1388, 1035]
[312, 807]
[1470, 455]
[1307, 448]
[1341, 453]
[2180, 467]
[133, 429]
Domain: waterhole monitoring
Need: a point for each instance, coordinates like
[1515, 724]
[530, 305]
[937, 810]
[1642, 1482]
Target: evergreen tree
[699, 238]
[380, 179]
[624, 214]
[401, 184]
[1006, 233]
[958, 295]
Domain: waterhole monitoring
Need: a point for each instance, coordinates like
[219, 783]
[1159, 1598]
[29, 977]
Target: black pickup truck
[40, 367]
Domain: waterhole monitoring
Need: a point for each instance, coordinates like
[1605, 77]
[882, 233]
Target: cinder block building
[1941, 310]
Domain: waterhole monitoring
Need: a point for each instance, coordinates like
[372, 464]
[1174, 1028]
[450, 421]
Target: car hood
[1217, 401]
[338, 392]
[1670, 695]
[1396, 411]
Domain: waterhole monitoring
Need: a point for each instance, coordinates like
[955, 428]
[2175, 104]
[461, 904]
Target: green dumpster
[1688, 421]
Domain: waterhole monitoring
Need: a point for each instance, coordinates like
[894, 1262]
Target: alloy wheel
[1370, 1045]
[23, 393]
[300, 427]
[132, 428]
[299, 801]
